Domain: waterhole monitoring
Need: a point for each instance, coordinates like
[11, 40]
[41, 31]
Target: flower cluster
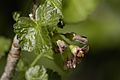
[78, 48]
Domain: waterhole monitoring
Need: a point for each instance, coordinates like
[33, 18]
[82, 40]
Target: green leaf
[25, 29]
[49, 13]
[36, 73]
[78, 10]
[34, 36]
[4, 45]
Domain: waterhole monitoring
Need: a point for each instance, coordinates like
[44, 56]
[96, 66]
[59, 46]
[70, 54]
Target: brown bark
[12, 60]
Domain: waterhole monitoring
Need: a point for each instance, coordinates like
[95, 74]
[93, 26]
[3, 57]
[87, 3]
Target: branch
[12, 60]
[14, 54]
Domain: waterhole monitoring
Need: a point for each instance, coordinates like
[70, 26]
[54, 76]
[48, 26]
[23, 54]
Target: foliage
[34, 34]
[36, 73]
[41, 43]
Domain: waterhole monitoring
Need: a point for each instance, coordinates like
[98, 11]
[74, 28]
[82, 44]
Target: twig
[12, 60]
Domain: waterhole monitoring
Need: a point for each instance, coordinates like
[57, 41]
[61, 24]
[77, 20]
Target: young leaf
[36, 73]
[49, 13]
[25, 29]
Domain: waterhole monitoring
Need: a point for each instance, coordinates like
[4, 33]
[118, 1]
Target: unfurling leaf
[49, 13]
[36, 73]
[25, 29]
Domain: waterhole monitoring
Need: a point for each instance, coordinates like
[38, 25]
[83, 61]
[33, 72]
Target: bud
[78, 54]
[61, 46]
[81, 39]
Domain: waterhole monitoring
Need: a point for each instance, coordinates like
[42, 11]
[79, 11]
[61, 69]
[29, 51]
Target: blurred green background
[99, 20]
